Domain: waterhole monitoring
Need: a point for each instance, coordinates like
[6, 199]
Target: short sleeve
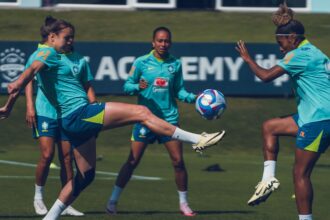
[294, 62]
[48, 56]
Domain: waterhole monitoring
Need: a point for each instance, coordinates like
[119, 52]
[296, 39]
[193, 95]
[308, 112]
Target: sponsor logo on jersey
[161, 82]
[12, 62]
[44, 126]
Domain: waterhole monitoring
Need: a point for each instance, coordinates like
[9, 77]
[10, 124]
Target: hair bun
[49, 20]
[283, 15]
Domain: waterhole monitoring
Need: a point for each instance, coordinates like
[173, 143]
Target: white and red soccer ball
[210, 104]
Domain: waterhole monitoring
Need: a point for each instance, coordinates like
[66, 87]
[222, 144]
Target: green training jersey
[60, 85]
[165, 84]
[309, 70]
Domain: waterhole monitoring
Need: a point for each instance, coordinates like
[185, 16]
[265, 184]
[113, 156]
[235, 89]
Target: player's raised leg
[271, 130]
[120, 114]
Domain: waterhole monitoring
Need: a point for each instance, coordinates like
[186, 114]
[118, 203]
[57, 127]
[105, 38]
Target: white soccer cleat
[111, 207]
[40, 207]
[263, 191]
[72, 212]
[186, 210]
[208, 140]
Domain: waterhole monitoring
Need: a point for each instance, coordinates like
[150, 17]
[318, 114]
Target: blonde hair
[283, 15]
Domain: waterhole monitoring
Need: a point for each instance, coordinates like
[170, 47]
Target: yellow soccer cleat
[263, 190]
[208, 140]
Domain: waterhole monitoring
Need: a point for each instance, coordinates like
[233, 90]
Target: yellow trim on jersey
[97, 119]
[314, 146]
[43, 46]
[304, 42]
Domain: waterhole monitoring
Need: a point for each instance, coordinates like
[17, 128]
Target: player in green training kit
[82, 121]
[309, 70]
[157, 80]
[43, 119]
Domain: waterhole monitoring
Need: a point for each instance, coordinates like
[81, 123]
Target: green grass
[187, 26]
[215, 195]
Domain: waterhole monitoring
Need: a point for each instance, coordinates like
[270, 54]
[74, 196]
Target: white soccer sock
[306, 217]
[269, 169]
[56, 210]
[116, 191]
[38, 192]
[185, 136]
[183, 196]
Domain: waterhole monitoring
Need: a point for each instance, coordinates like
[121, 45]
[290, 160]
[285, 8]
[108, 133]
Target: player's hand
[143, 84]
[4, 112]
[30, 117]
[243, 51]
[13, 89]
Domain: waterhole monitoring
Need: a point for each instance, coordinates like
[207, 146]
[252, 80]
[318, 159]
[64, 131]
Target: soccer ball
[210, 104]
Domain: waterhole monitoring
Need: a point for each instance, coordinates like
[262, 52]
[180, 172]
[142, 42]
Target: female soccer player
[157, 80]
[80, 120]
[43, 120]
[309, 70]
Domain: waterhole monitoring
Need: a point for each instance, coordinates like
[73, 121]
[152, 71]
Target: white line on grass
[49, 177]
[97, 172]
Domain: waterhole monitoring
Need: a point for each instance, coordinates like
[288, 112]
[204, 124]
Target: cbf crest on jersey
[75, 69]
[171, 69]
[12, 62]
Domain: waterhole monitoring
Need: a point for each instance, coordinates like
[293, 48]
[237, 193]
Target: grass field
[215, 195]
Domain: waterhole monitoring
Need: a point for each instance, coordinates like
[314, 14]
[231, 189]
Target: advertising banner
[204, 65]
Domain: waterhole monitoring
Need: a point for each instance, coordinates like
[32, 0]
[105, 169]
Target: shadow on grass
[207, 212]
[324, 166]
[19, 216]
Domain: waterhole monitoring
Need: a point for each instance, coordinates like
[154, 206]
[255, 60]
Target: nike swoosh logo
[270, 185]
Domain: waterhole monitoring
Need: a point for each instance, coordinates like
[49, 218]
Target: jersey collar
[303, 43]
[158, 59]
[43, 46]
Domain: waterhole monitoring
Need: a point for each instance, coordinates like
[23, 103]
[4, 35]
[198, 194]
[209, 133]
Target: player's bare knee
[178, 165]
[144, 114]
[47, 157]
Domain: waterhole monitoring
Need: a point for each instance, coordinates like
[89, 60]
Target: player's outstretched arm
[265, 75]
[15, 87]
[30, 116]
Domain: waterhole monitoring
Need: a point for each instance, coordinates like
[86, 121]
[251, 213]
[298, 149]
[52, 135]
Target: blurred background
[111, 34]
